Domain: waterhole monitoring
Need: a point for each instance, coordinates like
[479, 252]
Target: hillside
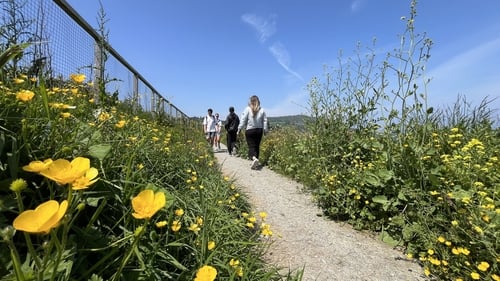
[297, 121]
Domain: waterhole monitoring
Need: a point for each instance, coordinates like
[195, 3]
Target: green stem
[16, 262]
[60, 246]
[60, 249]
[129, 253]
[27, 237]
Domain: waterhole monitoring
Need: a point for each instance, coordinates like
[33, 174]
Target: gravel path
[302, 238]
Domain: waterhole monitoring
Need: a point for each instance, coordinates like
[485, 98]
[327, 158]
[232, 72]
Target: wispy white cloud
[356, 5]
[265, 28]
[281, 55]
[473, 73]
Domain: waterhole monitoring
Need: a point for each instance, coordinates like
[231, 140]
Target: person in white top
[254, 121]
[218, 131]
[209, 127]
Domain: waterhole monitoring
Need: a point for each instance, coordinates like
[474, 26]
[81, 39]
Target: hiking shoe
[255, 163]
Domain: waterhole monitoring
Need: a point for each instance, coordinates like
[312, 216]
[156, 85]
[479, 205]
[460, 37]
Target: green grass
[98, 238]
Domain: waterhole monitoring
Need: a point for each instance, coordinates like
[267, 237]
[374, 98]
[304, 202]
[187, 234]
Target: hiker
[209, 127]
[218, 132]
[254, 120]
[231, 125]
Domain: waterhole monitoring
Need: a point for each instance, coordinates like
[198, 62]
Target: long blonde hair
[254, 104]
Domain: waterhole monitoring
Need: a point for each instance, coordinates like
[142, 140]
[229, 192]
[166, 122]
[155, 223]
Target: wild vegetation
[93, 188]
[375, 155]
[105, 191]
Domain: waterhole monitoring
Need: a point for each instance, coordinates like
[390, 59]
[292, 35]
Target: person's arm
[243, 119]
[264, 118]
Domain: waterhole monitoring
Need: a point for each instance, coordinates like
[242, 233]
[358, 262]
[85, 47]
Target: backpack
[234, 122]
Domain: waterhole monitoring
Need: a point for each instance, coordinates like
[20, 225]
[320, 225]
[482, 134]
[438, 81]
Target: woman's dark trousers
[253, 137]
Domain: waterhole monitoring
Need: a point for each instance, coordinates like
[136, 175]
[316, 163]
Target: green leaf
[99, 151]
[381, 199]
[93, 201]
[385, 175]
[386, 238]
[12, 52]
[372, 179]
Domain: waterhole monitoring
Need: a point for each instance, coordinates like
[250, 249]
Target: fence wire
[62, 42]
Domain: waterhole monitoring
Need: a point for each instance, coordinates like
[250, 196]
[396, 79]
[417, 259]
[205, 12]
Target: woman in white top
[254, 120]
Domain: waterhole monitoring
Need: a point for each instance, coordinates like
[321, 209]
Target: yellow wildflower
[120, 124]
[206, 273]
[483, 266]
[65, 114]
[63, 172]
[478, 229]
[147, 203]
[43, 218]
[25, 95]
[211, 245]
[199, 220]
[179, 212]
[161, 224]
[77, 78]
[176, 226]
[234, 263]
[194, 228]
[475, 276]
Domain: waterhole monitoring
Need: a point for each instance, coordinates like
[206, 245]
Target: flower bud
[7, 233]
[138, 231]
[18, 185]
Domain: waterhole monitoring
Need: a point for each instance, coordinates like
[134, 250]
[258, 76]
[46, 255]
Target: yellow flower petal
[37, 166]
[63, 172]
[206, 273]
[87, 180]
[147, 203]
[42, 219]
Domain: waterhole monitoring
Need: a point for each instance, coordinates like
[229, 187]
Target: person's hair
[209, 110]
[231, 109]
[254, 104]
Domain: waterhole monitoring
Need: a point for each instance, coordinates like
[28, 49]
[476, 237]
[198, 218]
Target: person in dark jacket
[231, 124]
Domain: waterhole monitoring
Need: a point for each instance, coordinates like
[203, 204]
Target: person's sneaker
[255, 163]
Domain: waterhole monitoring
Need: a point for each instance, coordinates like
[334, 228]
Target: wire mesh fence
[62, 42]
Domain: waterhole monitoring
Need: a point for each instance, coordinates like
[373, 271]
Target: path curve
[302, 238]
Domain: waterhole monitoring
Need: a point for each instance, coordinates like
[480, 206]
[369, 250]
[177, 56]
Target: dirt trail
[303, 238]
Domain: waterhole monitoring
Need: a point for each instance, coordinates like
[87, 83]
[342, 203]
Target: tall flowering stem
[138, 234]
[15, 260]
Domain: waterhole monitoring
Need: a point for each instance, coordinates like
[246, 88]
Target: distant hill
[297, 121]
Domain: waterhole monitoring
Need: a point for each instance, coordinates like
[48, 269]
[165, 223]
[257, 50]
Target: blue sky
[217, 53]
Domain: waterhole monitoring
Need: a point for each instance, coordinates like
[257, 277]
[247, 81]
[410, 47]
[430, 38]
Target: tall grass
[74, 171]
[378, 157]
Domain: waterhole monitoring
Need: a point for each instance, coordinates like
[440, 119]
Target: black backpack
[233, 123]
